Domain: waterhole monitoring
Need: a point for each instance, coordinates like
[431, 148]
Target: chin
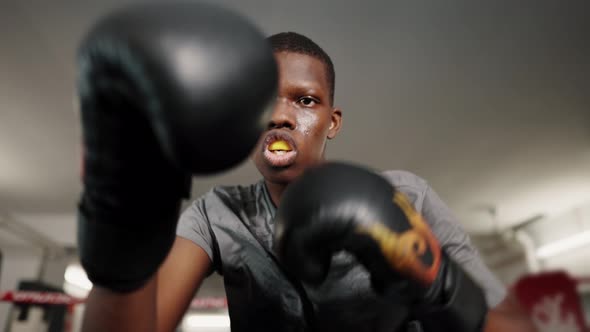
[283, 175]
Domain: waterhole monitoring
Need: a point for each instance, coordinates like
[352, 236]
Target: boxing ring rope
[30, 297]
[55, 298]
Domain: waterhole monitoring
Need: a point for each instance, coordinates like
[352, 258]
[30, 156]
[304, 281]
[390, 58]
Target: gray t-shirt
[234, 225]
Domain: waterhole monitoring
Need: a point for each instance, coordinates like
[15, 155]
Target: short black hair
[298, 43]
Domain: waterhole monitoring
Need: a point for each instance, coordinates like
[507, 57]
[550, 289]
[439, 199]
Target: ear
[335, 123]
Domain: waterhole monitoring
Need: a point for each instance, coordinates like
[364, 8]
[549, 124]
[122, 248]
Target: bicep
[457, 244]
[179, 277]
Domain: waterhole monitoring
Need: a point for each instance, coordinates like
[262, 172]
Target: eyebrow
[305, 88]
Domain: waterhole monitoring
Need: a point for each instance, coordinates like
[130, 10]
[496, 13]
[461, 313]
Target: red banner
[552, 301]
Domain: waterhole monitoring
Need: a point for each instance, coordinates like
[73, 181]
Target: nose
[282, 116]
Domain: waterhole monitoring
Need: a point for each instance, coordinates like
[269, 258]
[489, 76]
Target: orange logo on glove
[403, 251]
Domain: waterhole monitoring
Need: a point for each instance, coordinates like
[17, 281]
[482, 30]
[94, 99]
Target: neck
[275, 190]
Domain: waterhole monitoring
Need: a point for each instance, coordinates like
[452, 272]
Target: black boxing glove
[337, 206]
[165, 91]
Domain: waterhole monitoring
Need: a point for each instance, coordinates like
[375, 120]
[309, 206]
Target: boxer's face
[302, 121]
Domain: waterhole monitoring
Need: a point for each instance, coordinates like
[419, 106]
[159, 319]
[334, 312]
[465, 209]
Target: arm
[185, 268]
[508, 316]
[179, 278]
[121, 312]
[364, 214]
[505, 313]
[146, 129]
[161, 303]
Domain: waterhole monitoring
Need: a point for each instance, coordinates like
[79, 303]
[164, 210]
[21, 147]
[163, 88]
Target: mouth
[279, 149]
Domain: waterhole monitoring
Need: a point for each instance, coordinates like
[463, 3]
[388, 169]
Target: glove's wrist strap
[122, 257]
[460, 304]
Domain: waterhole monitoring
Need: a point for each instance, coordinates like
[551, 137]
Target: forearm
[125, 312]
[507, 317]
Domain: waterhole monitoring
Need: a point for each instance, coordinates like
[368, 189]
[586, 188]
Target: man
[230, 230]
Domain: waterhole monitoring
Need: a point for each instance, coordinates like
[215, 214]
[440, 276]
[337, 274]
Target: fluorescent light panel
[563, 245]
[206, 320]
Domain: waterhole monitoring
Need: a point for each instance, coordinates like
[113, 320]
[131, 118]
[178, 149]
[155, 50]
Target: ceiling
[488, 102]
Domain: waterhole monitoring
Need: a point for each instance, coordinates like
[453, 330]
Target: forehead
[301, 69]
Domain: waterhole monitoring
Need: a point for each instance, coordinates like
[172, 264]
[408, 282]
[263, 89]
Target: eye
[308, 101]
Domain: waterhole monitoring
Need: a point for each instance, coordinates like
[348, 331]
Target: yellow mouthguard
[279, 146]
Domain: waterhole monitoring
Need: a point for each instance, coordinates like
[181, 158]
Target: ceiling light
[565, 244]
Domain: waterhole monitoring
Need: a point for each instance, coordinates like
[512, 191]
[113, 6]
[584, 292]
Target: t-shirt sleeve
[194, 226]
[456, 243]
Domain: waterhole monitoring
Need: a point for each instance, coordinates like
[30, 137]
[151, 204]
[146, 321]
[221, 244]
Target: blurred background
[487, 101]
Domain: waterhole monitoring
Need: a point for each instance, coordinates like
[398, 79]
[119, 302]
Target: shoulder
[402, 178]
[409, 183]
[224, 195]
[221, 204]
